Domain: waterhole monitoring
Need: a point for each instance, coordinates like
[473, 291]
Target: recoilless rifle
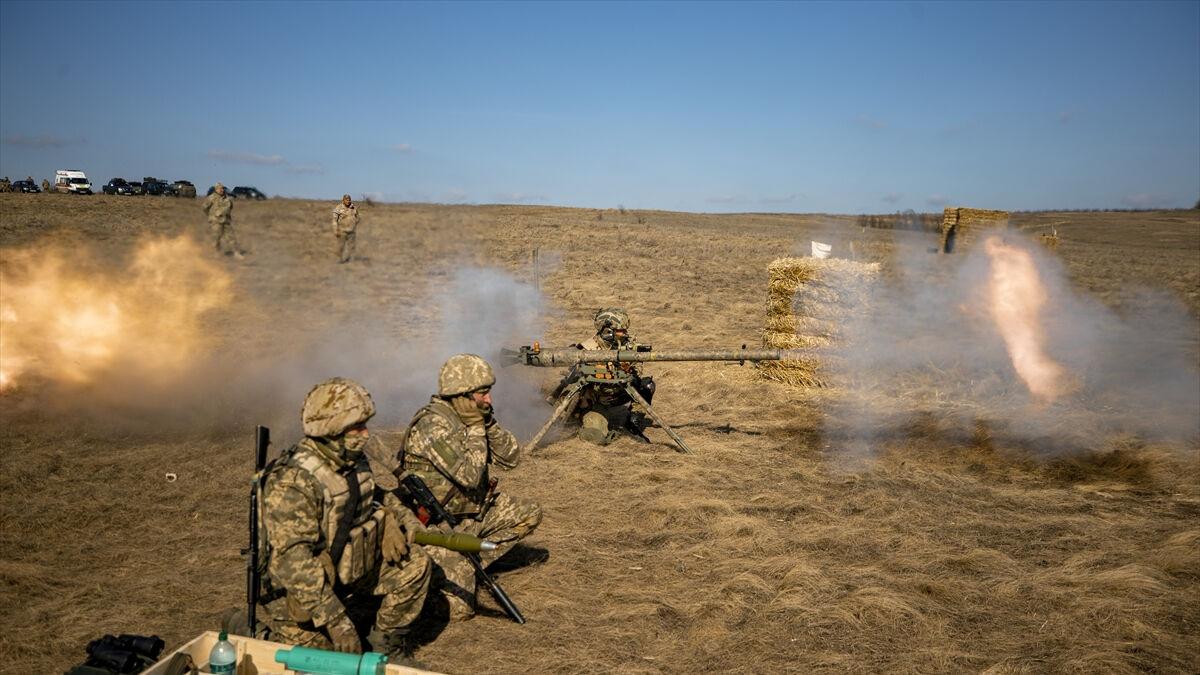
[602, 367]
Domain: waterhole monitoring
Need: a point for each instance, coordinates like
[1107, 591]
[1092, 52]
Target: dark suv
[242, 192]
[155, 187]
[25, 186]
[114, 186]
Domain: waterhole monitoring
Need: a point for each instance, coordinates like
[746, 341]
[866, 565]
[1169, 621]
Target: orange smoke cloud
[1016, 296]
[66, 320]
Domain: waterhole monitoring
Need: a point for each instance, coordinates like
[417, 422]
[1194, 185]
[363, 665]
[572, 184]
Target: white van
[73, 181]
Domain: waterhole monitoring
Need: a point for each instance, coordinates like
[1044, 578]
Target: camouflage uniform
[604, 411]
[345, 226]
[219, 209]
[452, 456]
[5, 185]
[45, 185]
[305, 496]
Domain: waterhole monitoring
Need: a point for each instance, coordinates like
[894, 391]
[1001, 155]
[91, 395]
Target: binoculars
[124, 653]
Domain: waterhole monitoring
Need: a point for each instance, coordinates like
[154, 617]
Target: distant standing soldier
[5, 184]
[45, 185]
[345, 228]
[219, 207]
[330, 541]
[450, 444]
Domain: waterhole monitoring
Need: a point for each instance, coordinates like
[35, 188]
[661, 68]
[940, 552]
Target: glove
[345, 637]
[395, 543]
[468, 412]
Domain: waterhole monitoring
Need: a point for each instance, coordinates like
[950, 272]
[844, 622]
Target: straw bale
[808, 301]
[960, 225]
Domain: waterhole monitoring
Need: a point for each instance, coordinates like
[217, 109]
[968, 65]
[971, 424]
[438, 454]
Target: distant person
[5, 185]
[450, 444]
[345, 227]
[219, 207]
[45, 185]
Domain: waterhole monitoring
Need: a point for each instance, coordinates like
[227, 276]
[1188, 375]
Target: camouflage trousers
[223, 237]
[346, 242]
[403, 589]
[508, 521]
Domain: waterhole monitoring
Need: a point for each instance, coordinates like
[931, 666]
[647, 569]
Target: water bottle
[223, 657]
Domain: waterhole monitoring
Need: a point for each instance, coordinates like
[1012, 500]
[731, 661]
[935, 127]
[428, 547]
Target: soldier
[345, 226]
[603, 411]
[5, 185]
[219, 207]
[45, 185]
[329, 541]
[450, 444]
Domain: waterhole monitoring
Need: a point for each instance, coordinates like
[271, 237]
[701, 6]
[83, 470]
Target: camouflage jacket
[219, 208]
[345, 219]
[304, 497]
[604, 395]
[452, 458]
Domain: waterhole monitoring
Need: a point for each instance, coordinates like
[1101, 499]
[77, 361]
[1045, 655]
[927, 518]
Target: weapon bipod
[570, 398]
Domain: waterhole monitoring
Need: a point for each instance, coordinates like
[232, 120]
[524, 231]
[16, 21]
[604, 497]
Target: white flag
[820, 250]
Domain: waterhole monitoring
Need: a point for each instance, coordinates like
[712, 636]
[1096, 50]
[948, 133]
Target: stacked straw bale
[961, 224]
[808, 302]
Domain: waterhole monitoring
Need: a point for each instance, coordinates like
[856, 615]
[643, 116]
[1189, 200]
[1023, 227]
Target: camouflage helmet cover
[614, 317]
[463, 373]
[334, 406]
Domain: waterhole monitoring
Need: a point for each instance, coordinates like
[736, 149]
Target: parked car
[72, 181]
[156, 187]
[25, 186]
[183, 188]
[136, 188]
[112, 186]
[243, 192]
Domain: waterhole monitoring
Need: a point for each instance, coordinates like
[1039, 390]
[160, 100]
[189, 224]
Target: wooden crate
[254, 657]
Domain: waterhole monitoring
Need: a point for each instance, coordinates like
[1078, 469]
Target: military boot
[399, 644]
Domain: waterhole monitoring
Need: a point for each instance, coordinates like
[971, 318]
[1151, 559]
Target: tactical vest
[457, 498]
[360, 554]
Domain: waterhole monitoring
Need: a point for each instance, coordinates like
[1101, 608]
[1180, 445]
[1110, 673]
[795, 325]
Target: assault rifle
[416, 495]
[603, 367]
[262, 440]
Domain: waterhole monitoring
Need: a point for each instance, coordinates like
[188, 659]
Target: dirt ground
[770, 549]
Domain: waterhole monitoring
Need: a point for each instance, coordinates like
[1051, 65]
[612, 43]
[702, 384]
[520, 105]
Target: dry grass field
[947, 539]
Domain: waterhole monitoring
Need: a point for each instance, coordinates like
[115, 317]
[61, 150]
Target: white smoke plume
[936, 351]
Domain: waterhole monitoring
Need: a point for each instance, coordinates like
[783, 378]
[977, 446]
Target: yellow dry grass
[774, 548]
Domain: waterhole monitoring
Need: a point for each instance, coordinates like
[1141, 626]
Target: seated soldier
[450, 444]
[605, 411]
[329, 541]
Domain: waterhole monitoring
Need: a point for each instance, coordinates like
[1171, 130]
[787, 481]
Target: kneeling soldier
[329, 541]
[450, 443]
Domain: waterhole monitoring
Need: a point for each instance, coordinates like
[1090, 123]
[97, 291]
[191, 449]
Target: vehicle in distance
[114, 186]
[183, 188]
[136, 188]
[25, 186]
[156, 187]
[73, 181]
[243, 192]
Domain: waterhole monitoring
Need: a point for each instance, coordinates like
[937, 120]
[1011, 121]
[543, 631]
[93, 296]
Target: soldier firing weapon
[602, 367]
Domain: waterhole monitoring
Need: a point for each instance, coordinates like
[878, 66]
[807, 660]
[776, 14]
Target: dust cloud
[939, 351]
[145, 346]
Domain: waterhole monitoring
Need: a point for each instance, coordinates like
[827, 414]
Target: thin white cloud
[892, 197]
[937, 200]
[42, 141]
[305, 168]
[787, 199]
[1146, 200]
[246, 158]
[403, 148]
[518, 197]
[871, 122]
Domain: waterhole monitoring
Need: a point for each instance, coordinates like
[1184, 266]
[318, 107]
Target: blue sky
[797, 107]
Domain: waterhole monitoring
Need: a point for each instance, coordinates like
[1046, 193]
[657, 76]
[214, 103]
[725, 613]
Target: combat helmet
[334, 406]
[464, 373]
[611, 317]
